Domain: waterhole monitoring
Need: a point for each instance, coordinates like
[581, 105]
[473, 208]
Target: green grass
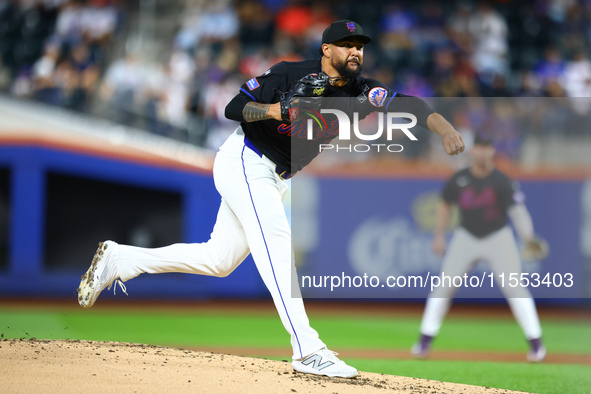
[533, 378]
[184, 328]
[456, 334]
[160, 328]
[265, 330]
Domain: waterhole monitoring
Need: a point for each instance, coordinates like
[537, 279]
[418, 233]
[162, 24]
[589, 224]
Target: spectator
[577, 76]
[175, 96]
[396, 24]
[121, 87]
[43, 72]
[67, 82]
[85, 66]
[153, 94]
[530, 85]
[69, 24]
[458, 27]
[452, 49]
[431, 26]
[256, 26]
[490, 48]
[577, 84]
[551, 68]
[210, 22]
[99, 23]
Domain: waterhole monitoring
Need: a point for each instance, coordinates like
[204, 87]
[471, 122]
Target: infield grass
[532, 378]
[188, 328]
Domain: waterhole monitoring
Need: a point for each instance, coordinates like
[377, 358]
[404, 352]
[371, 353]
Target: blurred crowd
[57, 51]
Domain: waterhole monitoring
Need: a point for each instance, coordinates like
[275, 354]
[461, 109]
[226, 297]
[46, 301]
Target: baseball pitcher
[250, 170]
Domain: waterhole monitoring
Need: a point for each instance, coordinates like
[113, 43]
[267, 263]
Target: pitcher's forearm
[254, 112]
[438, 124]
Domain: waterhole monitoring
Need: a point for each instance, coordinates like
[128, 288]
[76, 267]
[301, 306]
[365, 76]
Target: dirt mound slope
[44, 366]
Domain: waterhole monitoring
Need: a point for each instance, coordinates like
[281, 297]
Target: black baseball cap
[343, 29]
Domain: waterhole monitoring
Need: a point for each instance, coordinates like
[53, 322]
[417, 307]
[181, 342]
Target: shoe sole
[320, 373]
[328, 376]
[86, 288]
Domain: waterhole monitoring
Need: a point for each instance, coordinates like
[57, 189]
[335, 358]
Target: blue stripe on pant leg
[268, 253]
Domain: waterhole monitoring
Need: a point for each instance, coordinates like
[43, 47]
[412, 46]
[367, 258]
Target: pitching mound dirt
[40, 366]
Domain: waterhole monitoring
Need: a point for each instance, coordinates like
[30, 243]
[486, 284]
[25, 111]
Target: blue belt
[282, 173]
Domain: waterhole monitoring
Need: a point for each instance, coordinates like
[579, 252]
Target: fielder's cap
[343, 29]
[481, 139]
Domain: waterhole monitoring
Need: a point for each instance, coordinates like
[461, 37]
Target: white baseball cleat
[324, 362]
[537, 355]
[422, 348]
[419, 350]
[102, 272]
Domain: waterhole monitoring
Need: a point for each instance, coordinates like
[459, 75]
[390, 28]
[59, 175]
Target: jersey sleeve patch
[377, 96]
[252, 84]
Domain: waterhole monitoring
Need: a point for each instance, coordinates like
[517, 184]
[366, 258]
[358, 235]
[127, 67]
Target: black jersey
[287, 144]
[483, 203]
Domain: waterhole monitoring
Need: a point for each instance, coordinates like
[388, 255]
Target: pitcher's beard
[347, 72]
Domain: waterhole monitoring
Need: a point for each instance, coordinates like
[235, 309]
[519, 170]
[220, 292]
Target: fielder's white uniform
[484, 235]
[499, 250]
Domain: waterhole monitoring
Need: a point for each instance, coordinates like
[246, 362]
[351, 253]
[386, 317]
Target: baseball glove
[535, 249]
[305, 93]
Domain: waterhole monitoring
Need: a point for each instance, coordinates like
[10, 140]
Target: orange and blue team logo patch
[252, 84]
[351, 26]
[377, 96]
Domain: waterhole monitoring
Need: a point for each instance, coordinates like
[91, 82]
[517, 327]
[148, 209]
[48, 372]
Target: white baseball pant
[251, 219]
[500, 251]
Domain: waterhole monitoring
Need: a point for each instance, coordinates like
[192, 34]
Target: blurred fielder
[250, 170]
[485, 197]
